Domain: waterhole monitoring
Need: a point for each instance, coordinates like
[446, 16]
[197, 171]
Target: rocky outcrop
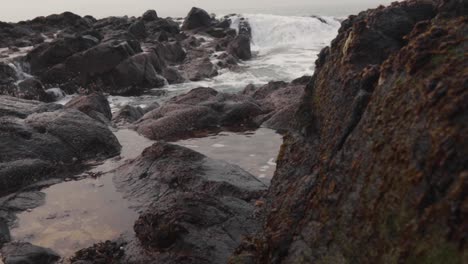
[94, 105]
[39, 140]
[192, 209]
[198, 112]
[375, 170]
[239, 47]
[18, 252]
[197, 18]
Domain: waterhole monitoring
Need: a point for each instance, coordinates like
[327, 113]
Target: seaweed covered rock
[375, 171]
[192, 207]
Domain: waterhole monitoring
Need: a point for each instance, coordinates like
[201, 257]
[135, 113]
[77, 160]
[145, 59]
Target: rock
[7, 74]
[172, 75]
[199, 69]
[150, 15]
[55, 94]
[31, 89]
[87, 67]
[172, 52]
[279, 102]
[23, 253]
[198, 112]
[136, 74]
[100, 253]
[128, 114]
[193, 206]
[368, 168]
[240, 47]
[5, 236]
[167, 25]
[94, 105]
[49, 54]
[196, 18]
[38, 140]
[138, 29]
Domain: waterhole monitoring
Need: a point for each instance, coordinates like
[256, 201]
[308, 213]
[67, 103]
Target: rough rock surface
[196, 18]
[38, 140]
[198, 112]
[25, 253]
[94, 105]
[375, 171]
[193, 209]
[240, 47]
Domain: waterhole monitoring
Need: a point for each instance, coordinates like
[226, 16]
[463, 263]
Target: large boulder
[7, 74]
[198, 69]
[25, 253]
[138, 29]
[137, 73]
[38, 140]
[193, 209]
[90, 66]
[239, 47]
[128, 114]
[198, 112]
[375, 171]
[172, 52]
[150, 15]
[49, 54]
[94, 105]
[197, 18]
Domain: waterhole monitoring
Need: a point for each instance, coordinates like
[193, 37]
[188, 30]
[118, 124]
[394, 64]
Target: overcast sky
[14, 10]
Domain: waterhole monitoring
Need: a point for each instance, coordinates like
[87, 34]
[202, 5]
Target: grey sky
[14, 10]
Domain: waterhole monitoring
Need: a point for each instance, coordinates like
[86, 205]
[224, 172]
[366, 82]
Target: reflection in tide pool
[77, 214]
[254, 152]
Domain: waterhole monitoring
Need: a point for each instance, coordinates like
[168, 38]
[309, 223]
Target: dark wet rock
[240, 47]
[172, 52]
[101, 253]
[245, 28]
[226, 60]
[29, 88]
[136, 74]
[138, 29]
[26, 253]
[198, 112]
[191, 206]
[32, 89]
[47, 55]
[23, 201]
[150, 15]
[89, 66]
[196, 18]
[172, 75]
[279, 102]
[199, 69]
[7, 74]
[168, 26]
[224, 23]
[377, 162]
[220, 32]
[55, 94]
[94, 105]
[39, 139]
[5, 236]
[128, 114]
